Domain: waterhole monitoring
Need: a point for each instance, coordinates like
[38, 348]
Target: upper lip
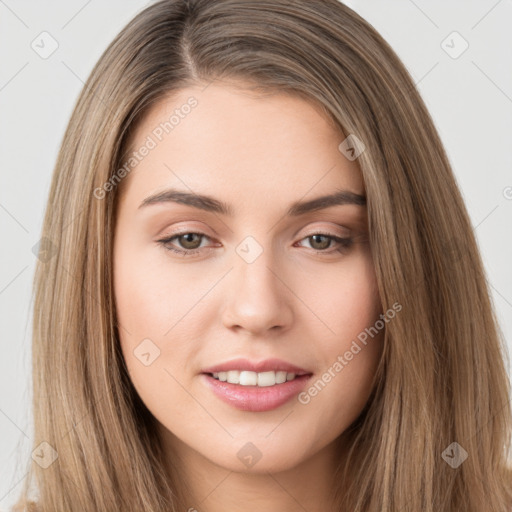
[256, 366]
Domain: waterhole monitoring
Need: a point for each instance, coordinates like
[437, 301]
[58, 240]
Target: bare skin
[304, 299]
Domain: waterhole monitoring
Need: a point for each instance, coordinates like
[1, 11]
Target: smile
[252, 397]
[248, 378]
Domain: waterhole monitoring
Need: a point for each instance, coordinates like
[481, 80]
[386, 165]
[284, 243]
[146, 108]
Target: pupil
[188, 239]
[325, 244]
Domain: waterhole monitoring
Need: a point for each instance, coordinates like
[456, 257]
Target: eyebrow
[210, 204]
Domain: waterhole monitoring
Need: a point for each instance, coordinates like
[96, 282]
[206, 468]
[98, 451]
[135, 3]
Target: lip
[254, 398]
[256, 366]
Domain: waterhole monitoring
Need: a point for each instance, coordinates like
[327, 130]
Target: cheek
[161, 320]
[144, 312]
[351, 349]
[345, 299]
[151, 295]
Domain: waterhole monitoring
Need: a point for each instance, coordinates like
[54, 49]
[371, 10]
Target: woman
[332, 345]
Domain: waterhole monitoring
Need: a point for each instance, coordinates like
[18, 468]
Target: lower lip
[254, 398]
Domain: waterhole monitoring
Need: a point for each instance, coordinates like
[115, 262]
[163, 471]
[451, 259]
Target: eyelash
[345, 243]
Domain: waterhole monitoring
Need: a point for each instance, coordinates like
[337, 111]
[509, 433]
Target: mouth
[255, 386]
[249, 397]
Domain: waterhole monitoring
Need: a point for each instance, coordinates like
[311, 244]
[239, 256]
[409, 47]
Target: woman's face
[266, 278]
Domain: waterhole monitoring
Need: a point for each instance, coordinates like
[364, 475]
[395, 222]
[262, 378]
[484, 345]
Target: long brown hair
[442, 377]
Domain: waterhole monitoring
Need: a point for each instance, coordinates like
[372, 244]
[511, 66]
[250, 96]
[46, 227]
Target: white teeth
[247, 378]
[233, 376]
[281, 377]
[266, 379]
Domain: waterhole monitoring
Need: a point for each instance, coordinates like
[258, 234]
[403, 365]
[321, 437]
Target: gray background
[470, 98]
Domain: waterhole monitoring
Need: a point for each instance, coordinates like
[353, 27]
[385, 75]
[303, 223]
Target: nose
[259, 299]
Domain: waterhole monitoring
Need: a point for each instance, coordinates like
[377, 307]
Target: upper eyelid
[349, 231]
[317, 231]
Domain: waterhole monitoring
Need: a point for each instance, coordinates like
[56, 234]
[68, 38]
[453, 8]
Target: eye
[190, 243]
[322, 241]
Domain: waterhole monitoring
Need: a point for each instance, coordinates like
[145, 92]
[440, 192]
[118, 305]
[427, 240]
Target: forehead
[226, 140]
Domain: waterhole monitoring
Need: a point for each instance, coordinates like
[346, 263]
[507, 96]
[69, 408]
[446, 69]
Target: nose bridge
[256, 276]
[258, 300]
[253, 274]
